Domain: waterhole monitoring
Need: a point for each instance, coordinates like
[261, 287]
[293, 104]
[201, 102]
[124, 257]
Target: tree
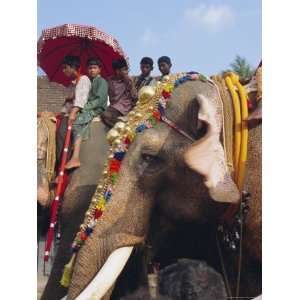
[242, 68]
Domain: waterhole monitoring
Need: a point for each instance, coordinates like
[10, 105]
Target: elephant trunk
[123, 224]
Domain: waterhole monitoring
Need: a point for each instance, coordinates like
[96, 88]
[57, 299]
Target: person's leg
[74, 162]
[106, 118]
[110, 116]
[60, 141]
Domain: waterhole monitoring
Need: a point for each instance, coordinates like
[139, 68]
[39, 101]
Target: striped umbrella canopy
[77, 40]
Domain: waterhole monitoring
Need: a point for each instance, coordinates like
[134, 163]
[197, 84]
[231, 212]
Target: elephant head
[45, 132]
[162, 171]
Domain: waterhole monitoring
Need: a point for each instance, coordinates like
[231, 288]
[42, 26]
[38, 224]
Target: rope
[172, 125]
[227, 286]
[227, 121]
[240, 133]
[238, 280]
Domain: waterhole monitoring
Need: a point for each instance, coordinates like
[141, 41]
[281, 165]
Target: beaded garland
[146, 114]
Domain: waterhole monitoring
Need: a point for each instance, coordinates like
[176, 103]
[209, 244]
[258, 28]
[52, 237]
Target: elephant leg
[71, 219]
[53, 289]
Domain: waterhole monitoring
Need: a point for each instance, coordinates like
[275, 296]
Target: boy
[122, 93]
[164, 65]
[95, 105]
[145, 78]
[77, 96]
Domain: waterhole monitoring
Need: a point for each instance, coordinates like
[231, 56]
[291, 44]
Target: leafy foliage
[242, 68]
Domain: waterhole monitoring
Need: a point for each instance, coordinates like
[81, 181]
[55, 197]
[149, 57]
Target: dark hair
[72, 61]
[191, 279]
[94, 61]
[147, 61]
[164, 59]
[142, 293]
[119, 63]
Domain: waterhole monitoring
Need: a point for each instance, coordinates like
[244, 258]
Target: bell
[131, 113]
[119, 126]
[232, 246]
[150, 108]
[116, 142]
[146, 93]
[220, 228]
[112, 135]
[127, 129]
[138, 116]
[236, 235]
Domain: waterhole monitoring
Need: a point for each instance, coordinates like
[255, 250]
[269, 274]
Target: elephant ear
[207, 157]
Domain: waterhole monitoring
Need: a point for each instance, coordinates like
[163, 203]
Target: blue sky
[198, 35]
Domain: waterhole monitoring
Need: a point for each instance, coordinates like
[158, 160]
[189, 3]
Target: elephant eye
[149, 164]
[148, 158]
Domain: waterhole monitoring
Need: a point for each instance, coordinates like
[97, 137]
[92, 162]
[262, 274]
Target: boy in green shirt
[95, 105]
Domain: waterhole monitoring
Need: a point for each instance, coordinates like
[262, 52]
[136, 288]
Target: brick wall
[50, 95]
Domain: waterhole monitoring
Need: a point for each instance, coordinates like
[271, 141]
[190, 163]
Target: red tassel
[114, 165]
[83, 236]
[166, 94]
[156, 115]
[98, 213]
[127, 141]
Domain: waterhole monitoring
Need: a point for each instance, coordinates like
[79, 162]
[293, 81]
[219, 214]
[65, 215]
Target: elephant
[45, 168]
[186, 279]
[170, 195]
[81, 186]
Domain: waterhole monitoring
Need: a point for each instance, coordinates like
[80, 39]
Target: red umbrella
[78, 40]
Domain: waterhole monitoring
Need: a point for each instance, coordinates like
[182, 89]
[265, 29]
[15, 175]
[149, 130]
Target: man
[164, 65]
[187, 279]
[122, 93]
[191, 279]
[146, 66]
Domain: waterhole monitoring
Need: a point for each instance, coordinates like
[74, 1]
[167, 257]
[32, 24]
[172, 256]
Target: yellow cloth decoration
[244, 142]
[67, 274]
[237, 123]
[240, 127]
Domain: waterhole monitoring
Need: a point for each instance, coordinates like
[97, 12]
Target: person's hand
[72, 116]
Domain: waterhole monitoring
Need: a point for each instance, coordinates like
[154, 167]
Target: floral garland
[146, 114]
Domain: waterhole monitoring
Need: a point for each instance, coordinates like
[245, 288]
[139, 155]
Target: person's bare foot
[72, 164]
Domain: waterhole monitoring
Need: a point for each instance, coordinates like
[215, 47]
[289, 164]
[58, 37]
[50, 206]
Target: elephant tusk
[64, 298]
[107, 275]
